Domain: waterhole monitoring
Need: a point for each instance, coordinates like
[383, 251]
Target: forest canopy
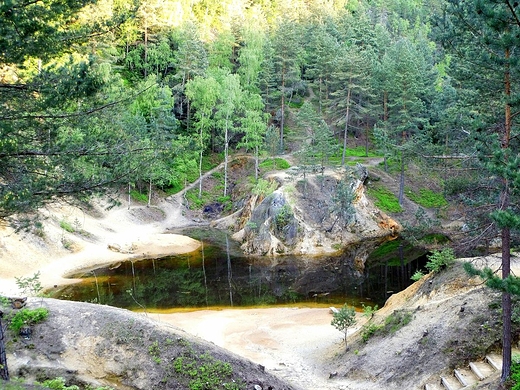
[111, 94]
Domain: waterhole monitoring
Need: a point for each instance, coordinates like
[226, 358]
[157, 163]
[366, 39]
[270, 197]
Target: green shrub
[385, 200]
[397, 320]
[67, 226]
[369, 330]
[369, 311]
[515, 373]
[264, 187]
[28, 317]
[343, 319]
[440, 259]
[58, 384]
[206, 373]
[30, 285]
[417, 275]
[283, 217]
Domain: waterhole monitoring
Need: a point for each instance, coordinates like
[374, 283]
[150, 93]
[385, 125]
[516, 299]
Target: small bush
[397, 320]
[58, 384]
[369, 330]
[30, 285]
[283, 217]
[417, 275]
[195, 202]
[440, 259]
[28, 317]
[369, 311]
[264, 187]
[67, 226]
[515, 374]
[205, 372]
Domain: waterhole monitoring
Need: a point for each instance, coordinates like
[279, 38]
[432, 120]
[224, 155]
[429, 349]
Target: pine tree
[483, 37]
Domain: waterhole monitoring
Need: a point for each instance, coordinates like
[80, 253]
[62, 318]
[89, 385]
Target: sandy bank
[98, 238]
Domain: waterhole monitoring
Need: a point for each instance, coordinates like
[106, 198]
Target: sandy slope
[293, 343]
[138, 232]
[297, 344]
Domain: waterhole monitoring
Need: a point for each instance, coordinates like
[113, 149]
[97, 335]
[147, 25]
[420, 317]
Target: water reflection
[216, 275]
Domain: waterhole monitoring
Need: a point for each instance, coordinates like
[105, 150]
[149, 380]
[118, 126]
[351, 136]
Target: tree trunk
[401, 181]
[149, 193]
[257, 163]
[226, 151]
[282, 118]
[345, 133]
[506, 307]
[506, 236]
[4, 372]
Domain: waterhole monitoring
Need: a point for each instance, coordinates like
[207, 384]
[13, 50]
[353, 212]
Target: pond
[218, 275]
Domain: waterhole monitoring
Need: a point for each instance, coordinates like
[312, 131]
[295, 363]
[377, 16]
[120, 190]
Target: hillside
[104, 236]
[453, 320]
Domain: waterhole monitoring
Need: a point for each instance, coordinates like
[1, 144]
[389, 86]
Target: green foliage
[343, 319]
[396, 321]
[426, 198]
[511, 284]
[418, 275]
[204, 372]
[155, 352]
[283, 217]
[515, 372]
[65, 225]
[343, 202]
[58, 384]
[30, 285]
[195, 202]
[138, 196]
[264, 188]
[370, 311]
[369, 330]
[439, 260]
[276, 163]
[29, 317]
[385, 199]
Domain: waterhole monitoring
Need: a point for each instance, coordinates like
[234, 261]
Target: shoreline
[120, 234]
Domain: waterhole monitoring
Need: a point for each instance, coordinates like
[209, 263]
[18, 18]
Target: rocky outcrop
[318, 215]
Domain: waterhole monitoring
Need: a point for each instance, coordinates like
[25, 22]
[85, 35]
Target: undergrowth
[385, 199]
[426, 198]
[276, 163]
[29, 317]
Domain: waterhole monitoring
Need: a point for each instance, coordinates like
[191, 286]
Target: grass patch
[385, 200]
[205, 372]
[208, 163]
[426, 198]
[277, 163]
[385, 249]
[67, 226]
[195, 202]
[359, 152]
[138, 196]
[396, 321]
